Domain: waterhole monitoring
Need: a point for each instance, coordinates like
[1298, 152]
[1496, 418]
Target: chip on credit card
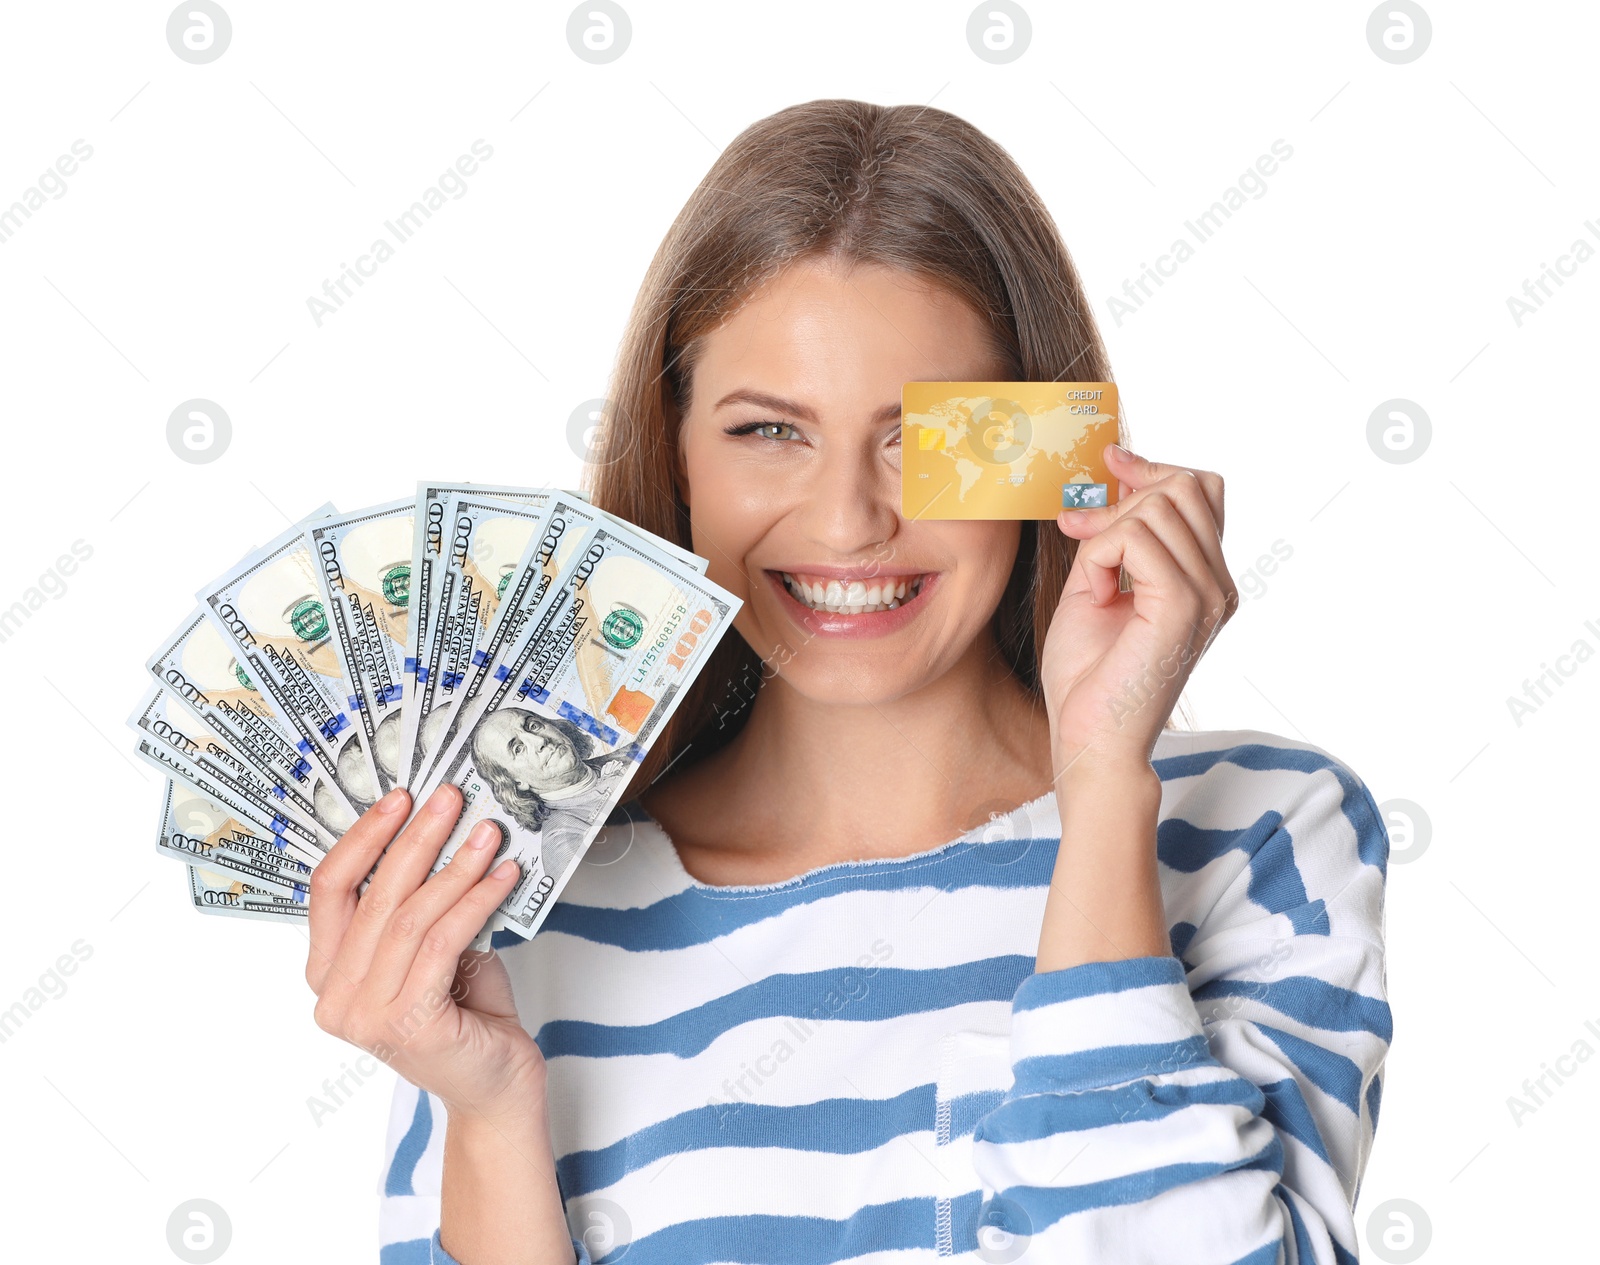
[991, 450]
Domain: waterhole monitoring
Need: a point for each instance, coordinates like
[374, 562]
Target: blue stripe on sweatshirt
[406, 1155]
[894, 992]
[916, 1119]
[699, 915]
[1310, 1000]
[1357, 804]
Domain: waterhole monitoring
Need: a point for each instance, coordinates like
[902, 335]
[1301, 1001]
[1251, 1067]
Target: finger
[442, 948]
[1133, 544]
[336, 877]
[1172, 526]
[1207, 571]
[415, 918]
[1138, 472]
[1186, 491]
[1140, 476]
[400, 872]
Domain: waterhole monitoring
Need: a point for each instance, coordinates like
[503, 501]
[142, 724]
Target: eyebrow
[762, 399]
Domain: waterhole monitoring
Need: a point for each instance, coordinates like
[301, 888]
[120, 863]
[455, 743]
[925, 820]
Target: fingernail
[1119, 452]
[393, 801]
[505, 869]
[481, 834]
[442, 801]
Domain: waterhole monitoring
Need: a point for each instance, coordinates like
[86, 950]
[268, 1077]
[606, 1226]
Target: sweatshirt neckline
[820, 873]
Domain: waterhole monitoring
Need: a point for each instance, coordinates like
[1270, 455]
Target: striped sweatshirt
[860, 1063]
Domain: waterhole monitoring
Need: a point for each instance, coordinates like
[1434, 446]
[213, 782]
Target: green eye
[239, 676]
[308, 620]
[500, 590]
[397, 585]
[763, 429]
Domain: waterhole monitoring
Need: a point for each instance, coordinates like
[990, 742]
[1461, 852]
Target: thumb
[483, 984]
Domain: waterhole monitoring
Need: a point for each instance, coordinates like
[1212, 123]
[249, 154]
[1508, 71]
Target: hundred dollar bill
[271, 609]
[542, 757]
[488, 545]
[199, 831]
[545, 556]
[611, 677]
[202, 668]
[363, 563]
[427, 549]
[219, 893]
[427, 565]
[216, 771]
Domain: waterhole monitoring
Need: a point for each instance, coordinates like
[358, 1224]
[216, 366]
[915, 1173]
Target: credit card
[974, 450]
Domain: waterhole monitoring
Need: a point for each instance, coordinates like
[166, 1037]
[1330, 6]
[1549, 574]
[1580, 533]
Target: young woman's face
[814, 363]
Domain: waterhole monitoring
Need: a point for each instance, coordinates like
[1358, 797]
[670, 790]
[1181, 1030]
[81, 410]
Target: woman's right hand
[390, 966]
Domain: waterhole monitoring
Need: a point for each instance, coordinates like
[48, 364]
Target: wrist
[1109, 813]
[477, 1144]
[499, 1196]
[517, 1109]
[1086, 772]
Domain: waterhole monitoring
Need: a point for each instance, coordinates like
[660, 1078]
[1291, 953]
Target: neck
[879, 778]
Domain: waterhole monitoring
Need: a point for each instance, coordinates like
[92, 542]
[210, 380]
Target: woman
[813, 999]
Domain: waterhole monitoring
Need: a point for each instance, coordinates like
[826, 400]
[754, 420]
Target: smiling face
[789, 458]
[538, 757]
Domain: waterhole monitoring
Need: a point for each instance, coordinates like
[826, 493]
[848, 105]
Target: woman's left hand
[1114, 663]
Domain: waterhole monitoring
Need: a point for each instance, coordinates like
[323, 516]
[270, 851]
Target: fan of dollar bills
[519, 643]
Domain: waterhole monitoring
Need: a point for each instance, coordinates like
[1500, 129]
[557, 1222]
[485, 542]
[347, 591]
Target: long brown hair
[909, 187]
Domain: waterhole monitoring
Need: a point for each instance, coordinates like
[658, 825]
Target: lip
[866, 624]
[868, 571]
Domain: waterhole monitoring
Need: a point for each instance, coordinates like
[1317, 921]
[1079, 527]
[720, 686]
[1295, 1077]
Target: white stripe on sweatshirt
[861, 1064]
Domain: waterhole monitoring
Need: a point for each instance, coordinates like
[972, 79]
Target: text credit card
[1005, 449]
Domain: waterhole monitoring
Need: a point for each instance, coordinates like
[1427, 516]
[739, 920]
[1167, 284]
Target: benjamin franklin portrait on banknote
[547, 775]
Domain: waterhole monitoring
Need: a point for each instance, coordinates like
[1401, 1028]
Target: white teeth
[855, 597]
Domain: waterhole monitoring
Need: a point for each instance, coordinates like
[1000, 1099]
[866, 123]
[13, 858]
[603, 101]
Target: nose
[851, 501]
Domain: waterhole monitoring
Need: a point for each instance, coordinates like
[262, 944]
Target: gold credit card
[1005, 449]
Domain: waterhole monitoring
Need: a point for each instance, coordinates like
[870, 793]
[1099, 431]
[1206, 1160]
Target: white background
[1416, 599]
